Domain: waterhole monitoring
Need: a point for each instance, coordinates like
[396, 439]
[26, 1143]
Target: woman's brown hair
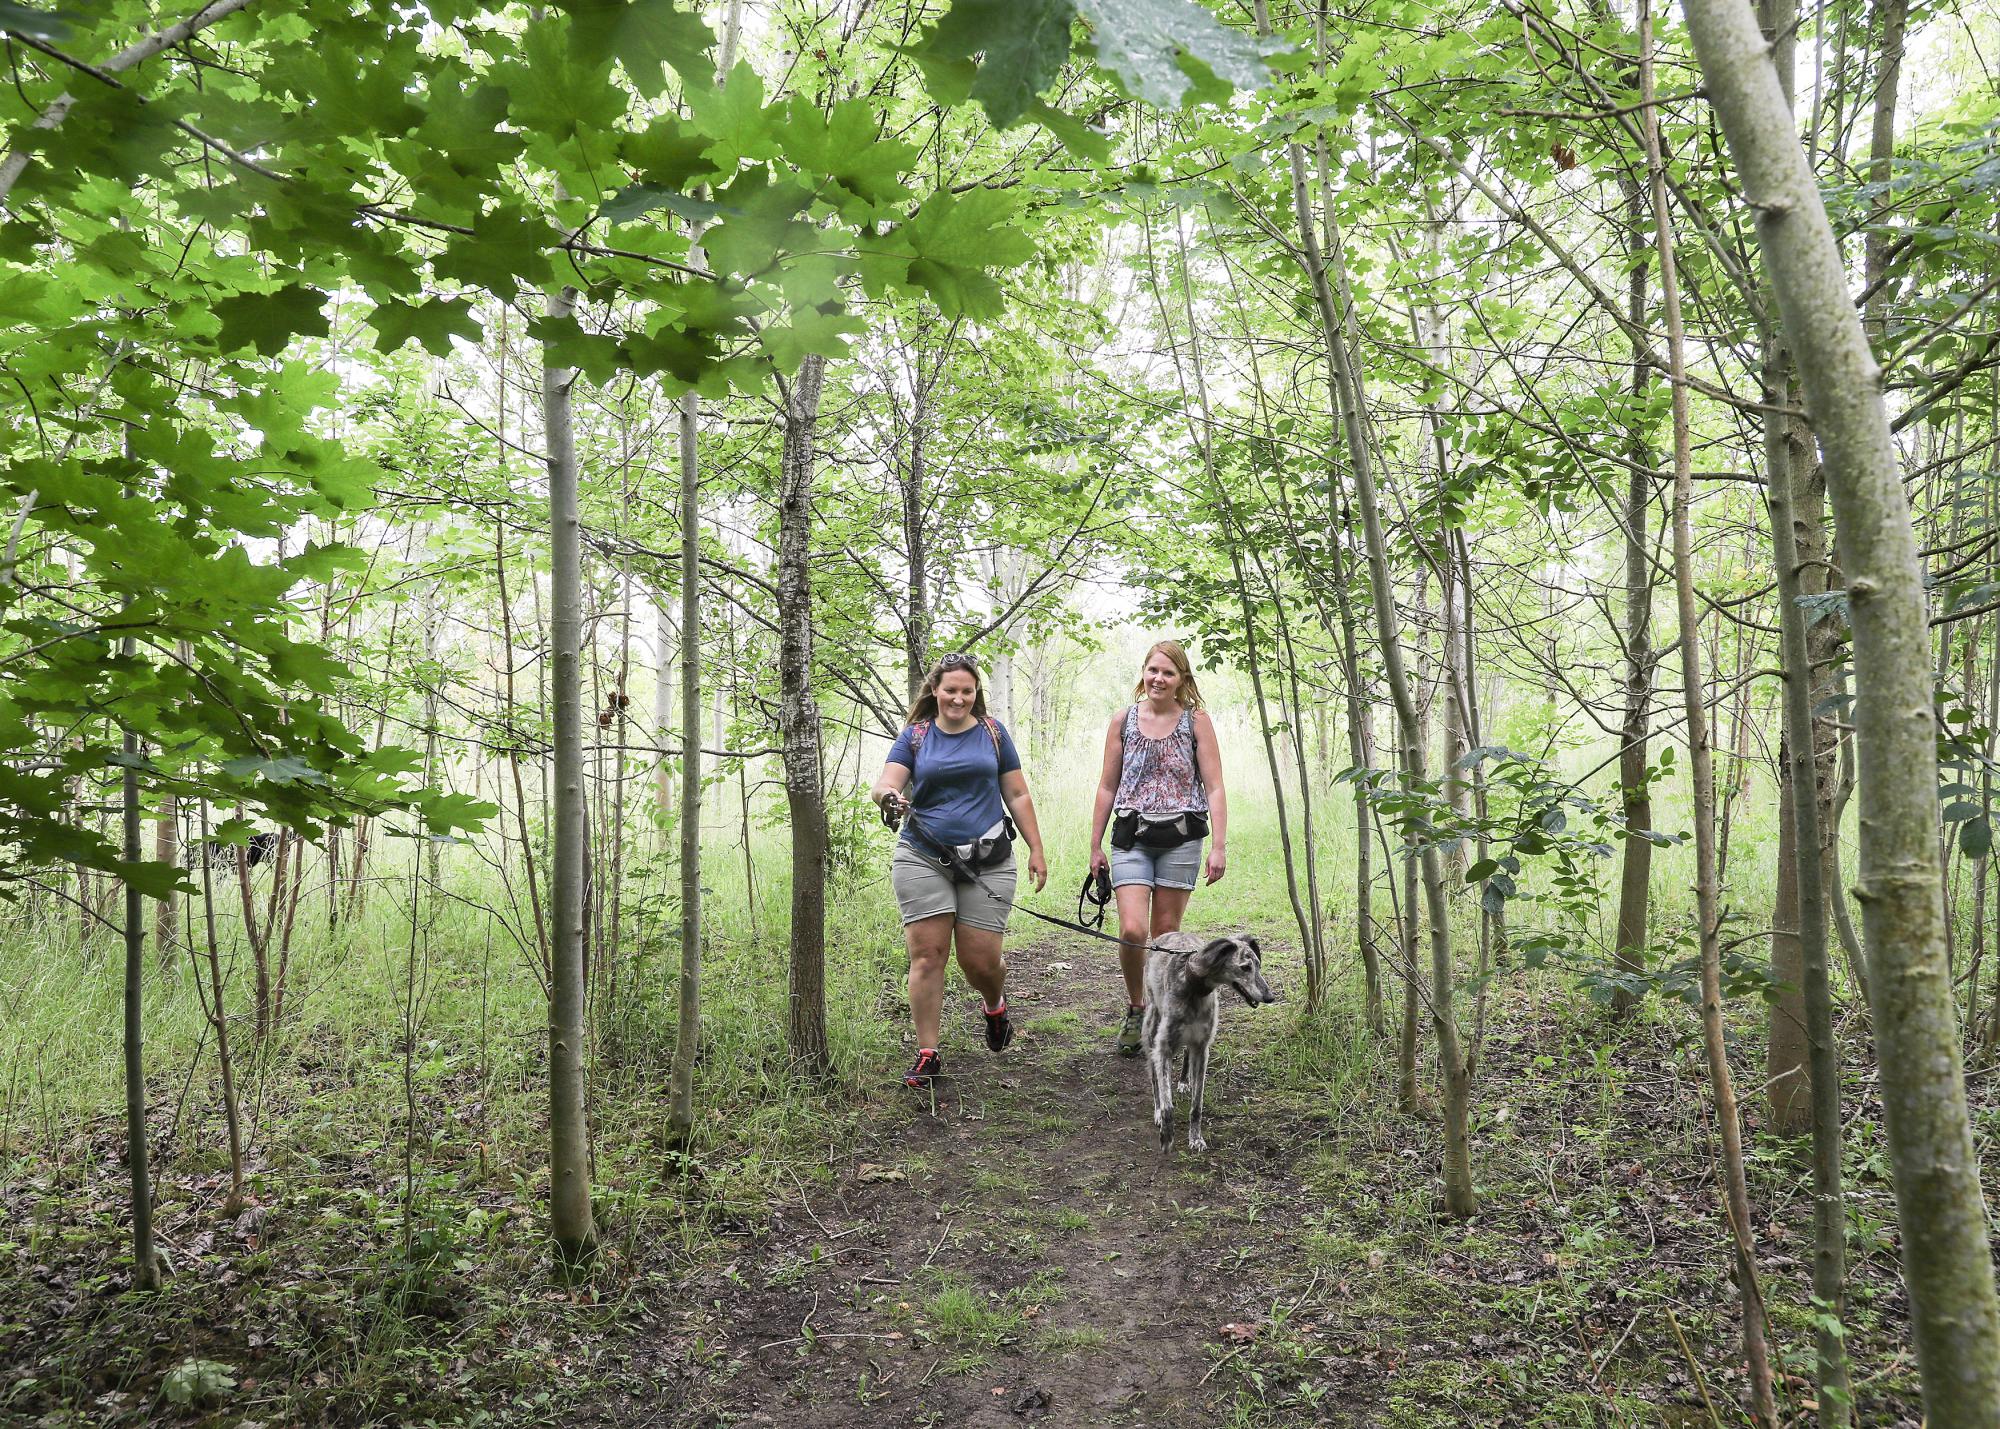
[1187, 693]
[925, 705]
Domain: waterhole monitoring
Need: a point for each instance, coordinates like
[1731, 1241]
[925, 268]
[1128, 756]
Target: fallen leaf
[870, 1172]
[1242, 1334]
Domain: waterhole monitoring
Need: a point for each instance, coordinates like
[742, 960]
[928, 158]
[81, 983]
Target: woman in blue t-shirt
[954, 775]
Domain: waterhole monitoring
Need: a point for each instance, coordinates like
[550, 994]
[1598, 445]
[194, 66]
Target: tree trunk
[145, 1263]
[1892, 19]
[167, 850]
[1947, 1261]
[218, 1017]
[1811, 1080]
[1787, 1077]
[1327, 275]
[799, 726]
[916, 541]
[1201, 426]
[680, 1112]
[1635, 874]
[1701, 766]
[570, 1221]
[663, 714]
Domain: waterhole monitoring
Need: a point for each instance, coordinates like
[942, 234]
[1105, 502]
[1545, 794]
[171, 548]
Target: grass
[360, 1281]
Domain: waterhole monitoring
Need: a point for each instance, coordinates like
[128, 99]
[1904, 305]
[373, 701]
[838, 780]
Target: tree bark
[145, 1262]
[1947, 1261]
[799, 724]
[167, 850]
[571, 1225]
[1635, 874]
[1701, 762]
[1892, 21]
[916, 539]
[680, 1113]
[1804, 800]
[218, 1016]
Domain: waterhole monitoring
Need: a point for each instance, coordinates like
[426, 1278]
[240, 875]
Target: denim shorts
[924, 889]
[1177, 867]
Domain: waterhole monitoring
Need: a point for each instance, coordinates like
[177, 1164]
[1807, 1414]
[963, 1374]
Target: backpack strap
[1194, 749]
[993, 732]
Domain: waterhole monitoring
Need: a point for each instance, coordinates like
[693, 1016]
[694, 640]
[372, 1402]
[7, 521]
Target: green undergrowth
[1598, 1248]
[391, 1265]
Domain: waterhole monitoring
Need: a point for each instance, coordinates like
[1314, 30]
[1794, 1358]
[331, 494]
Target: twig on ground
[1695, 1369]
[1219, 1364]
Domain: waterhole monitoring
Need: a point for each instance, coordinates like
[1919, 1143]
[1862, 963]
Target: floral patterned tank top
[1160, 776]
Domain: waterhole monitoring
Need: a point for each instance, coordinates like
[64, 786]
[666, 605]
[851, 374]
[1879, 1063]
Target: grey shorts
[924, 890]
[1177, 867]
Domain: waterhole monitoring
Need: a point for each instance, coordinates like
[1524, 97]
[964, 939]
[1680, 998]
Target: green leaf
[955, 239]
[269, 321]
[1018, 47]
[507, 247]
[643, 36]
[433, 324]
[1142, 43]
[1975, 838]
[637, 200]
[1482, 869]
[40, 24]
[847, 146]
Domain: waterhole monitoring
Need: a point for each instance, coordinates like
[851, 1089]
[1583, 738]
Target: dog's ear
[1204, 963]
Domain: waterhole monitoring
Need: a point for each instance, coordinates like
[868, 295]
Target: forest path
[1014, 1248]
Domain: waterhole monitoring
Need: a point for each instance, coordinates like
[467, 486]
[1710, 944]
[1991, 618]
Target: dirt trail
[1015, 1248]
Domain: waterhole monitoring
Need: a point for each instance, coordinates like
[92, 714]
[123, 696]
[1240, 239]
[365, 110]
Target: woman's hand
[1097, 861]
[1217, 864]
[1038, 868]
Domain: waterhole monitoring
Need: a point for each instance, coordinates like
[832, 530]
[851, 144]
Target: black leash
[1096, 886]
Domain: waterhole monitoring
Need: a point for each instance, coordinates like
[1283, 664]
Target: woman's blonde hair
[1187, 693]
[925, 706]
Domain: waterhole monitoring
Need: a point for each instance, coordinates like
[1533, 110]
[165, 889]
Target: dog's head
[1234, 962]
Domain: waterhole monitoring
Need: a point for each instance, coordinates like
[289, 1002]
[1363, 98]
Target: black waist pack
[1130, 830]
[988, 851]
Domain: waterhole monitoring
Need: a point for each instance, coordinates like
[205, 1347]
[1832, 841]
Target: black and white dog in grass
[1183, 976]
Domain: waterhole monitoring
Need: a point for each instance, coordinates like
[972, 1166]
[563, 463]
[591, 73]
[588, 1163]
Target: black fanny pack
[988, 851]
[1131, 830]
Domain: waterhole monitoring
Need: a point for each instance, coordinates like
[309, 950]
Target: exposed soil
[1013, 1248]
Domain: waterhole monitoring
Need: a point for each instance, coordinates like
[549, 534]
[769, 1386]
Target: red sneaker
[928, 1068]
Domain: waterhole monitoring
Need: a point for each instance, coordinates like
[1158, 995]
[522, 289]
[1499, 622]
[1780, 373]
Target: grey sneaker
[1128, 1035]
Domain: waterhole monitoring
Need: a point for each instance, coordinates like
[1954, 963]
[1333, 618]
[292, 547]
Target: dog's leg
[1197, 1084]
[1187, 1070]
[1159, 1054]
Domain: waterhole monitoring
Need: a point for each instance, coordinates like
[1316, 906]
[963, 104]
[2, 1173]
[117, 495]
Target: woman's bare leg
[980, 959]
[929, 940]
[1134, 911]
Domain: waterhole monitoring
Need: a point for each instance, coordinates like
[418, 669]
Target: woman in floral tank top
[1161, 790]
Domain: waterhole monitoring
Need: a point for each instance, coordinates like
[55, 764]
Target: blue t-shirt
[955, 780]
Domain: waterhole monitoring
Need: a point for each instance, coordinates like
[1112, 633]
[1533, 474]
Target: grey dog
[1183, 976]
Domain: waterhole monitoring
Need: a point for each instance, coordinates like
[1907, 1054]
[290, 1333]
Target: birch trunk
[570, 1222]
[680, 1111]
[799, 725]
[145, 1263]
